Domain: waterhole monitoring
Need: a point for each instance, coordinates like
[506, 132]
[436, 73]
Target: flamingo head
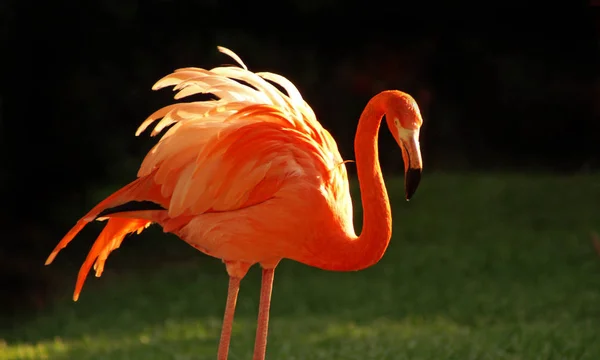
[404, 121]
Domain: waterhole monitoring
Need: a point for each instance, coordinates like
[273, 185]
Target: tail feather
[142, 189]
[109, 239]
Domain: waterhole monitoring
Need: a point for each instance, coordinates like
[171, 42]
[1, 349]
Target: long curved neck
[377, 217]
[345, 251]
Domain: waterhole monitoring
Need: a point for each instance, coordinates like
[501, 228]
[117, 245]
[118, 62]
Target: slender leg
[236, 270]
[260, 344]
[232, 293]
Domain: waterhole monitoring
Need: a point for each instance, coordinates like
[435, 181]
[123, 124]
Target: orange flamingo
[254, 178]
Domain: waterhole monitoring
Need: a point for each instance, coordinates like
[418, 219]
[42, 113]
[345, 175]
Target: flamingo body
[252, 178]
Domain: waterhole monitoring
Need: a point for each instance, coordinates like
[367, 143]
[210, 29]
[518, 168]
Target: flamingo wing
[220, 155]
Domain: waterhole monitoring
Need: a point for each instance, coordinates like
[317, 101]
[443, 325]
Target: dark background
[500, 90]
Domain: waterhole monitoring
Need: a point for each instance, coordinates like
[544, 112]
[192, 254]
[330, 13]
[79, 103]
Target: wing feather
[220, 155]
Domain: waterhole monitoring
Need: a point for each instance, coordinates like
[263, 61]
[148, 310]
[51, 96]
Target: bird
[250, 177]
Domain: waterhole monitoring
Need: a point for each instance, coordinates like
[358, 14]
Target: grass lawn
[480, 267]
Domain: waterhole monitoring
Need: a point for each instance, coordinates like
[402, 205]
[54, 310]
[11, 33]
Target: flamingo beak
[413, 164]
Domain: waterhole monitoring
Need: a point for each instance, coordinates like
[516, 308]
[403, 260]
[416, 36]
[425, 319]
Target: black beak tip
[412, 178]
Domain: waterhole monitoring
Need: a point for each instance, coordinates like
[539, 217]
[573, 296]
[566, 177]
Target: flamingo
[253, 178]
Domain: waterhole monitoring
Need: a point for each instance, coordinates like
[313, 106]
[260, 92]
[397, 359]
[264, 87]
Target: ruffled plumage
[204, 130]
[220, 156]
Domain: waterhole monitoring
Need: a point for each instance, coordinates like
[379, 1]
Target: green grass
[480, 267]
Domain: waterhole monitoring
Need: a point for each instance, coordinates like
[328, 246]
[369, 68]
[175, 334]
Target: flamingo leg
[236, 270]
[232, 294]
[260, 344]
